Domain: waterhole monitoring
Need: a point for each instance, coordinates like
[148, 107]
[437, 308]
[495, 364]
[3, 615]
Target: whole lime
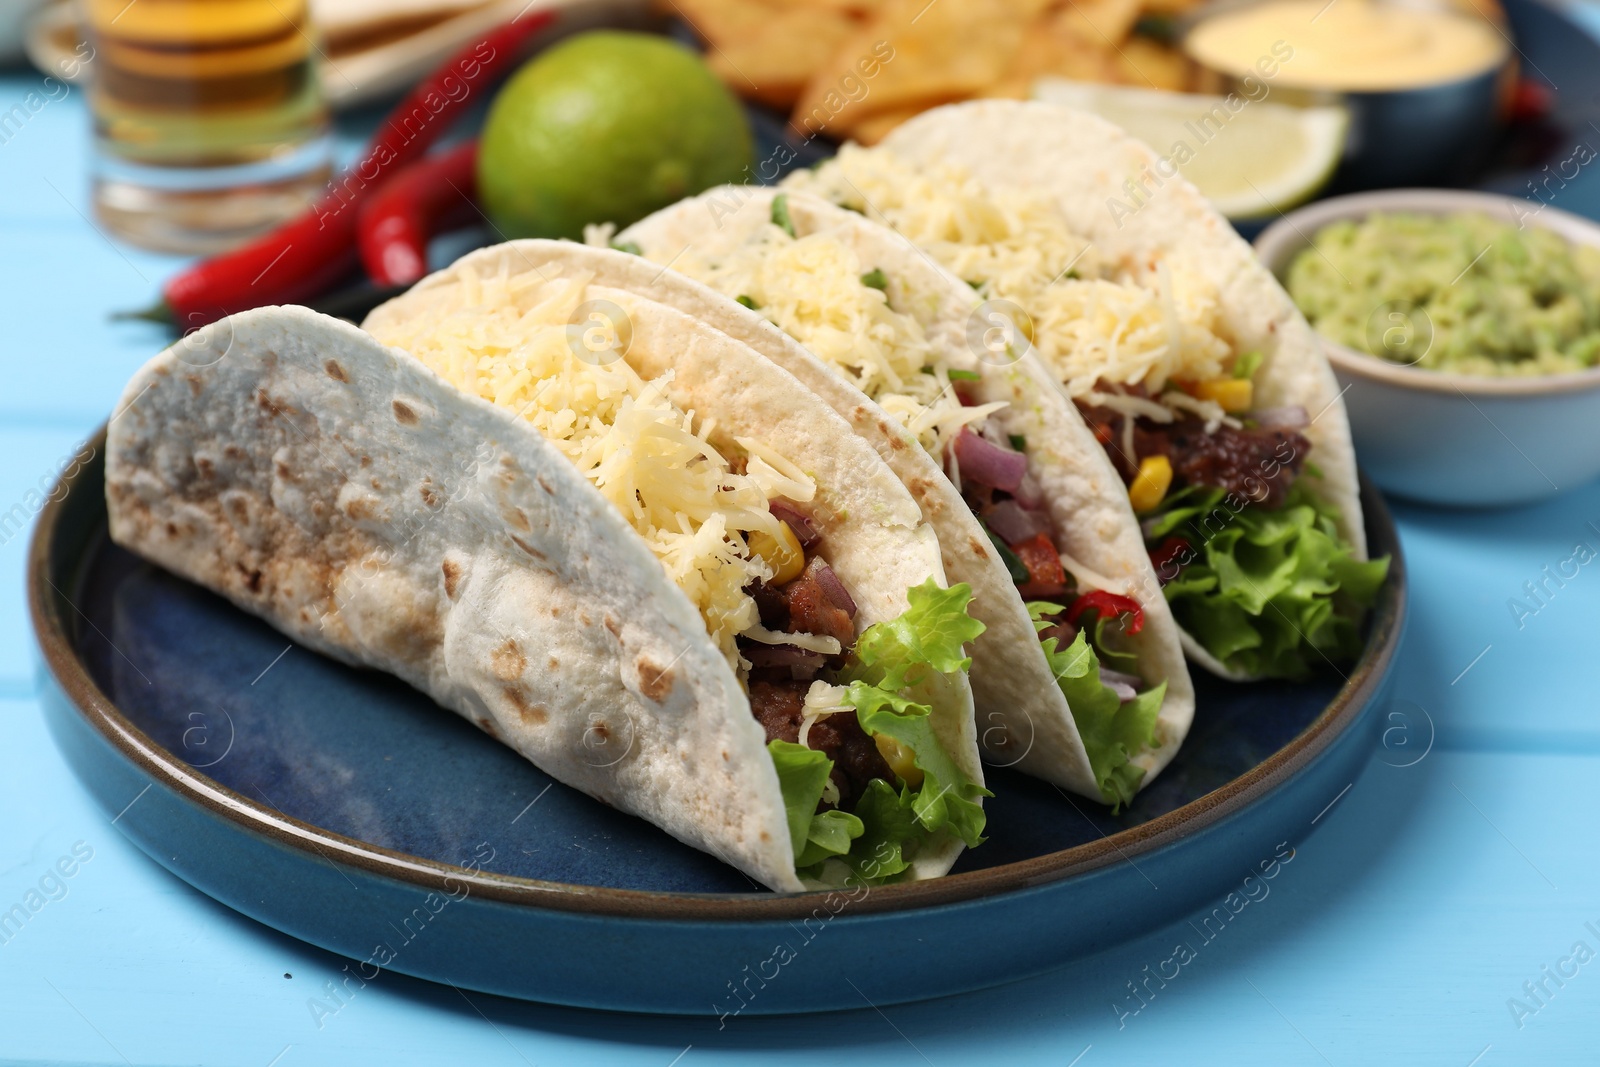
[607, 127]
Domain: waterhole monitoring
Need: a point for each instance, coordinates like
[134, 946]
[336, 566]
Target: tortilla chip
[1152, 65]
[719, 22]
[1107, 21]
[942, 50]
[873, 128]
[774, 63]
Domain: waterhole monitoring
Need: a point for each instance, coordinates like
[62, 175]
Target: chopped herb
[975, 285]
[875, 279]
[927, 370]
[964, 376]
[1019, 442]
[1073, 276]
[780, 214]
[748, 301]
[1247, 364]
[630, 247]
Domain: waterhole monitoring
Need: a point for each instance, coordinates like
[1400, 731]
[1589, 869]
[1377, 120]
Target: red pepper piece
[1172, 555]
[1046, 577]
[1108, 605]
[1530, 100]
[307, 254]
[430, 197]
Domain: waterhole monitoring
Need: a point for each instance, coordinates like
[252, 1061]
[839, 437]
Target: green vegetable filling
[1112, 731]
[780, 214]
[890, 826]
[875, 279]
[1273, 593]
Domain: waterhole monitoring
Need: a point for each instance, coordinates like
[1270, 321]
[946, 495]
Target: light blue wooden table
[1423, 920]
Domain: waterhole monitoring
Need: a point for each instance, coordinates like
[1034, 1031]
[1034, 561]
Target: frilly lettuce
[1112, 731]
[1272, 593]
[879, 839]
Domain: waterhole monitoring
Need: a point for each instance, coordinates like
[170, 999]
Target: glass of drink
[209, 122]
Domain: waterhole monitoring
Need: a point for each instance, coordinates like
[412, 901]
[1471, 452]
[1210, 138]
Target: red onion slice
[804, 531]
[1285, 418]
[1124, 692]
[987, 463]
[1013, 523]
[832, 586]
[1126, 686]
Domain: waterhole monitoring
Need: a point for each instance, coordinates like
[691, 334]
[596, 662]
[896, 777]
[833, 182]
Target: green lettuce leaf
[947, 798]
[1274, 593]
[889, 823]
[802, 772]
[1112, 731]
[831, 834]
[927, 636]
[878, 840]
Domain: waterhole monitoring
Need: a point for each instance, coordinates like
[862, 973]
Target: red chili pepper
[1174, 550]
[1530, 100]
[1046, 577]
[1108, 605]
[306, 255]
[430, 197]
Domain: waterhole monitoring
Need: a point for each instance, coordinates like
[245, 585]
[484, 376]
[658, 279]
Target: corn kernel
[782, 553]
[1151, 483]
[899, 759]
[1234, 394]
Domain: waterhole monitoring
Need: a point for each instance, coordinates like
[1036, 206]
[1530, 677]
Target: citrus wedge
[1252, 159]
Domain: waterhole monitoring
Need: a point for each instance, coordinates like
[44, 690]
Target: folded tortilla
[352, 497]
[1025, 716]
[1133, 216]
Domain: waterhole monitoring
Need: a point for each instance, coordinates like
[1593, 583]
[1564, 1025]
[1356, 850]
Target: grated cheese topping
[1094, 320]
[509, 341]
[822, 700]
[811, 288]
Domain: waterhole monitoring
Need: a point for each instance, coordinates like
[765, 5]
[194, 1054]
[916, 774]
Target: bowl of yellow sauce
[1426, 82]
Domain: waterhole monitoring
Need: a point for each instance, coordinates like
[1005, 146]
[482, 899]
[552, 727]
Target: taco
[1203, 383]
[610, 536]
[1079, 677]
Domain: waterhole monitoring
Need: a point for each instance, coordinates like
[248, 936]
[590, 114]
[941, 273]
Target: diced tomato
[1173, 554]
[1046, 577]
[1108, 605]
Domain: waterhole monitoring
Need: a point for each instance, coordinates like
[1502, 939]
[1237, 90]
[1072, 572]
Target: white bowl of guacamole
[1465, 330]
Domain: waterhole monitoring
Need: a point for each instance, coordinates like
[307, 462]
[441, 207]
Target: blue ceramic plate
[342, 807]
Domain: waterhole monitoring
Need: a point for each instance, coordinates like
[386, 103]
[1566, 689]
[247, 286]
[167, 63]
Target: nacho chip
[942, 50]
[773, 63]
[1150, 64]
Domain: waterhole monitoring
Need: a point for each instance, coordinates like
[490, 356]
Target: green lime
[607, 127]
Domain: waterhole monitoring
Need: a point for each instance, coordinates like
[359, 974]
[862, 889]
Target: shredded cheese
[1093, 320]
[508, 340]
[811, 288]
[821, 701]
[828, 646]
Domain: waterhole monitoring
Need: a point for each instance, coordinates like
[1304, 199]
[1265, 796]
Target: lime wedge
[1256, 159]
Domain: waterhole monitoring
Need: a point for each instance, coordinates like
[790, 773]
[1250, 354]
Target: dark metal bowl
[1437, 134]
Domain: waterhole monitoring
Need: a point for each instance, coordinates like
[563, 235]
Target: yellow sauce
[1346, 45]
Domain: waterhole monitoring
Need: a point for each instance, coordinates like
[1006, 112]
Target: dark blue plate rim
[52, 565]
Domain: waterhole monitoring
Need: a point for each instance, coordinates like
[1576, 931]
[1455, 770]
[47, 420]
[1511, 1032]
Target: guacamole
[1465, 293]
